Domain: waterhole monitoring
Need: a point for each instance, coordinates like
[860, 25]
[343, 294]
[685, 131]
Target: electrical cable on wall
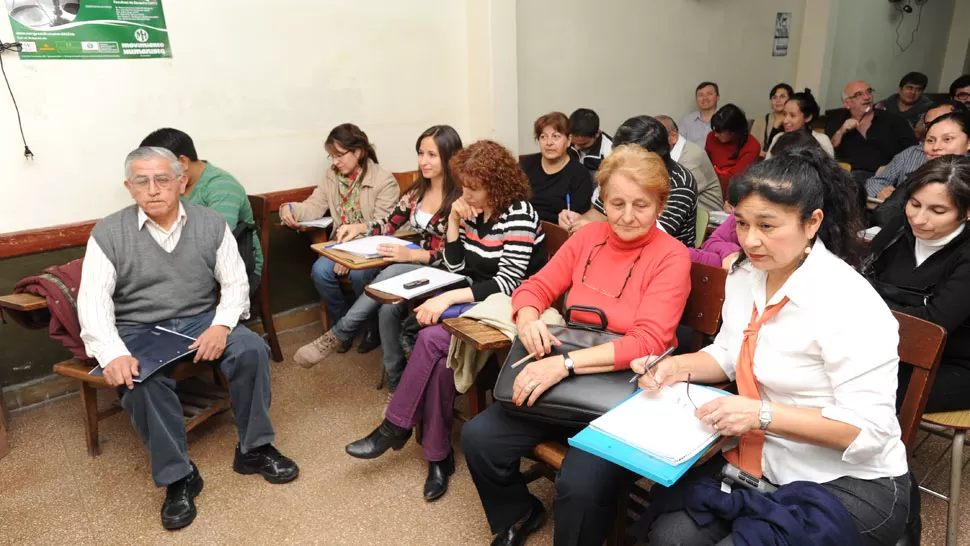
[902, 17]
[15, 46]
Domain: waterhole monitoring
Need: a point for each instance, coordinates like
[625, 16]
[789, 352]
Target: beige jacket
[379, 193]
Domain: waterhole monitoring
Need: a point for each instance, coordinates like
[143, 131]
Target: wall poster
[779, 47]
[89, 29]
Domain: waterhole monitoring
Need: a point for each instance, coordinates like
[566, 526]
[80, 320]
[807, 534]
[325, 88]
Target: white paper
[718, 217]
[874, 200]
[322, 223]
[436, 279]
[869, 234]
[662, 424]
[367, 247]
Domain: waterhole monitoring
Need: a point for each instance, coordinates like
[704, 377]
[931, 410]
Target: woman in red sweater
[639, 277]
[730, 147]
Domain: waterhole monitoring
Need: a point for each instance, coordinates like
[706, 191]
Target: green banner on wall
[89, 29]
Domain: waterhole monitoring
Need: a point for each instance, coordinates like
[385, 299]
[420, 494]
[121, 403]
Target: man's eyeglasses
[331, 157]
[860, 94]
[589, 260]
[162, 181]
[962, 96]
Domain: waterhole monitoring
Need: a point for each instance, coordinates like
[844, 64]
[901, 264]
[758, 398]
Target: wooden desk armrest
[23, 302]
[382, 297]
[482, 336]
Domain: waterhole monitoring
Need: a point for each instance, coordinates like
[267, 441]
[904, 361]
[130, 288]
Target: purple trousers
[426, 393]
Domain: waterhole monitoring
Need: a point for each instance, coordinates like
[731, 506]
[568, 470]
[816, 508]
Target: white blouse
[833, 346]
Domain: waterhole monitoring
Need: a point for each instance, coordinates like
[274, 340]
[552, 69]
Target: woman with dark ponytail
[812, 347]
[801, 110]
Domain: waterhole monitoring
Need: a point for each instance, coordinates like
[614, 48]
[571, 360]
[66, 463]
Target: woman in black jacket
[920, 264]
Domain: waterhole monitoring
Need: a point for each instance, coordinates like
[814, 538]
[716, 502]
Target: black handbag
[575, 400]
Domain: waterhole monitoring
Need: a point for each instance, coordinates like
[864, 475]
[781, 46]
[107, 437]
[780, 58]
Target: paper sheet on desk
[437, 278]
[367, 247]
[321, 223]
[662, 424]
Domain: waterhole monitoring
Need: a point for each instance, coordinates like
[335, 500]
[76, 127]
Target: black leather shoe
[345, 346]
[179, 508]
[516, 534]
[370, 341]
[268, 461]
[438, 472]
[386, 436]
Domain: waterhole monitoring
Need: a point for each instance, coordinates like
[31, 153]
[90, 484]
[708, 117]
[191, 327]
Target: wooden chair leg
[382, 380]
[476, 399]
[324, 318]
[956, 475]
[618, 535]
[89, 403]
[4, 427]
[269, 327]
[4, 413]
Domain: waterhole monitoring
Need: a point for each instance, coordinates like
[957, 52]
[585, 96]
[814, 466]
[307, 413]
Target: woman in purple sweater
[723, 243]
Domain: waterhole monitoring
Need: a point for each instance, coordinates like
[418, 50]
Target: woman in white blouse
[822, 368]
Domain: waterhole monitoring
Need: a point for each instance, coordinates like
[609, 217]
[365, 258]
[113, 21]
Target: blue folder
[154, 350]
[606, 447]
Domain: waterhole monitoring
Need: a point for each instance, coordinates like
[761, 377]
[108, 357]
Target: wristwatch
[764, 417]
[570, 366]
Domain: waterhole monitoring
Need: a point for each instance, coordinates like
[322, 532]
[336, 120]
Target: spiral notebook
[154, 350]
[653, 434]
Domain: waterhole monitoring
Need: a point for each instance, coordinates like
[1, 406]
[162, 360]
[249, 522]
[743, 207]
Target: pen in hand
[651, 365]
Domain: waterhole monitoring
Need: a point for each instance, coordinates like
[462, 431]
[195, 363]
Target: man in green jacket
[209, 186]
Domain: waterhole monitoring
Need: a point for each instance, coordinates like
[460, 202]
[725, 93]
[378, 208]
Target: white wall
[629, 57]
[258, 87]
[865, 46]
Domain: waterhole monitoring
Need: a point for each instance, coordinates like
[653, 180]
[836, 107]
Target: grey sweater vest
[154, 285]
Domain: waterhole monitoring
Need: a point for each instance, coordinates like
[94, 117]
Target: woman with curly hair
[494, 239]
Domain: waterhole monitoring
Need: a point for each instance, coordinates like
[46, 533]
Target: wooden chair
[700, 228]
[921, 345]
[555, 237]
[260, 297]
[406, 179]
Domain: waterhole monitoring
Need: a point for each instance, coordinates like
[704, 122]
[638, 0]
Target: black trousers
[586, 488]
[950, 391]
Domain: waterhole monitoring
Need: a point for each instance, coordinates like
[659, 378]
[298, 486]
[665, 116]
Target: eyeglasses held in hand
[688, 393]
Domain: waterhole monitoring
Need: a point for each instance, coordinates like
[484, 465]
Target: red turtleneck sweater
[650, 307]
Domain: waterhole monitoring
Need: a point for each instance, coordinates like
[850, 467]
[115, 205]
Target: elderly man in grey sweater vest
[164, 262]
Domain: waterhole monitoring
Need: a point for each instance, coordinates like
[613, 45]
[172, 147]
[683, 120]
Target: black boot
[438, 473]
[179, 508]
[370, 341]
[516, 534]
[386, 436]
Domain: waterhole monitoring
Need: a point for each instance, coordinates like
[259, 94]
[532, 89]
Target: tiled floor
[51, 492]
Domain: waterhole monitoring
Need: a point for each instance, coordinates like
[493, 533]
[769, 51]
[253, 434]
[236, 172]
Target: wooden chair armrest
[382, 297]
[482, 336]
[23, 302]
[80, 369]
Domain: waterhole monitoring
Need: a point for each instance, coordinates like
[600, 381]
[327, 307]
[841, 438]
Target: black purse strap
[584, 309]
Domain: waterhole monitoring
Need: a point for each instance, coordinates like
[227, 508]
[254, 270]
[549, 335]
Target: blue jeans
[328, 286]
[156, 413]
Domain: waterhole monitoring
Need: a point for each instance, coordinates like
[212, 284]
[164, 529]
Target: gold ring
[715, 426]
